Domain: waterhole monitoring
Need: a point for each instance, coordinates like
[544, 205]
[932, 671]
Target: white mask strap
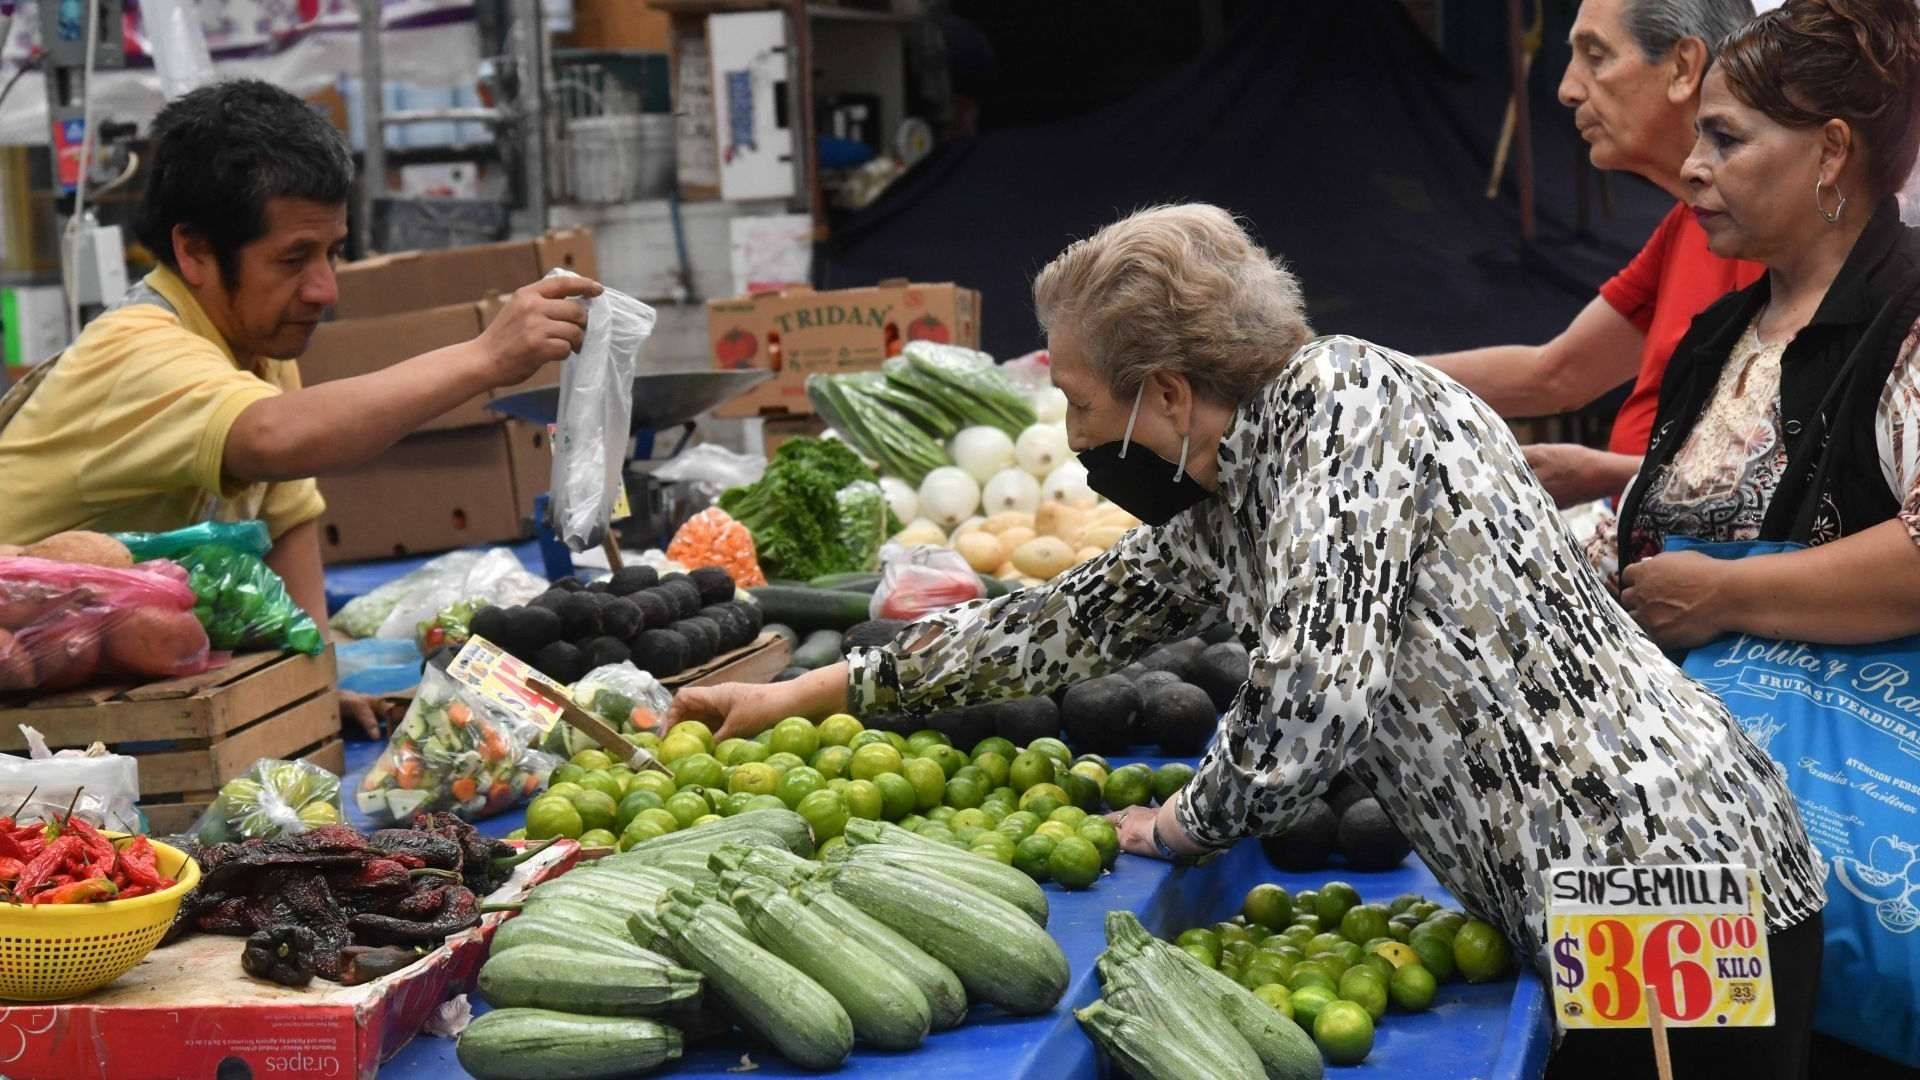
[1180, 470]
[1127, 439]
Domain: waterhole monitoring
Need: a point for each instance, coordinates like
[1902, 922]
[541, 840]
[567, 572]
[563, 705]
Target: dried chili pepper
[436, 851]
[366, 963]
[77, 892]
[47, 864]
[281, 954]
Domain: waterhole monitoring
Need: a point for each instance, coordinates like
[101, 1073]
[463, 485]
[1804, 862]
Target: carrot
[464, 788]
[459, 715]
[713, 538]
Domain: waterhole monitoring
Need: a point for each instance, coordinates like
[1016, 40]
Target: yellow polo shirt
[129, 430]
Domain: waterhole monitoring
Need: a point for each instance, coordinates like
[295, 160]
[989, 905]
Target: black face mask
[1140, 486]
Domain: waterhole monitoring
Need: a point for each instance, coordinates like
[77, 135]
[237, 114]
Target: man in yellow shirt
[177, 406]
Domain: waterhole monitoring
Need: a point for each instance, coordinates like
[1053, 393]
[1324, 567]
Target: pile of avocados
[664, 625]
[1348, 821]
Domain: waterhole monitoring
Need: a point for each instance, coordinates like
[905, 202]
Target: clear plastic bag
[496, 577]
[709, 469]
[628, 699]
[454, 751]
[362, 616]
[272, 798]
[177, 44]
[241, 602]
[63, 625]
[595, 421]
[101, 787]
[919, 580]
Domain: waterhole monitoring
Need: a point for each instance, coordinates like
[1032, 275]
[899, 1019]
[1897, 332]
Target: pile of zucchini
[613, 968]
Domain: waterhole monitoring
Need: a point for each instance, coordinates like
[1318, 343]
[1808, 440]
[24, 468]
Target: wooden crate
[192, 735]
[756, 663]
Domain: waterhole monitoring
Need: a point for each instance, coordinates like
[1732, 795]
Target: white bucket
[621, 158]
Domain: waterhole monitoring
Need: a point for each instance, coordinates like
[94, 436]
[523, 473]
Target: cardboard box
[412, 280]
[839, 331]
[188, 1011]
[345, 348]
[780, 429]
[618, 24]
[530, 454]
[429, 492]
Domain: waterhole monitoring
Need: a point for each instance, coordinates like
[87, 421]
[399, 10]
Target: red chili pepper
[137, 862]
[131, 891]
[100, 854]
[77, 892]
[46, 864]
[10, 868]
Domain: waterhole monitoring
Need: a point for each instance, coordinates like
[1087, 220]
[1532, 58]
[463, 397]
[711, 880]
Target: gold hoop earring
[1820, 202]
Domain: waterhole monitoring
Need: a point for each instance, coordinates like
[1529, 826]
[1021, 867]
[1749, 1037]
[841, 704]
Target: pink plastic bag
[920, 580]
[64, 625]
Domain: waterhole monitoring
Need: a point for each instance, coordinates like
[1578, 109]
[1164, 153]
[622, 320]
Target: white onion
[1049, 405]
[949, 496]
[1042, 448]
[1067, 484]
[901, 498]
[1011, 489]
[982, 451]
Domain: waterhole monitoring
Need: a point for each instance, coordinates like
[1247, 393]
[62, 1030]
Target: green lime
[1311, 973]
[924, 738]
[591, 760]
[826, 813]
[1127, 786]
[897, 796]
[934, 830]
[1279, 998]
[1081, 791]
[1103, 836]
[1262, 968]
[1331, 904]
[1344, 1031]
[941, 814]
[1201, 936]
[970, 819]
[1308, 1001]
[1059, 830]
[632, 803]
[1335, 964]
[566, 789]
[1378, 963]
[735, 803]
[675, 747]
[728, 751]
[1411, 988]
[1436, 955]
[1480, 953]
[553, 815]
[751, 751]
[598, 838]
[1070, 816]
[950, 760]
[1092, 770]
[994, 744]
[1450, 921]
[1074, 863]
[992, 845]
[962, 793]
[1030, 769]
[874, 759]
[688, 807]
[1320, 944]
[1044, 799]
[702, 769]
[928, 779]
[1269, 906]
[966, 834]
[665, 818]
[1170, 778]
[1054, 749]
[1033, 855]
[705, 819]
[659, 783]
[764, 802]
[1019, 824]
[696, 729]
[784, 761]
[764, 737]
[832, 762]
[598, 810]
[869, 737]
[995, 809]
[754, 778]
[864, 800]
[565, 773]
[1365, 987]
[641, 830]
[838, 729]
[1423, 909]
[1201, 954]
[797, 784]
[998, 768]
[1399, 904]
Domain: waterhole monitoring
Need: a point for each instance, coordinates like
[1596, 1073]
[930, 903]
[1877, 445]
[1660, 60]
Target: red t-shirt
[1673, 279]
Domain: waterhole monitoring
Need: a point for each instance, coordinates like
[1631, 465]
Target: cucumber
[549, 930]
[571, 980]
[785, 826]
[783, 630]
[821, 648]
[808, 608]
[999, 954]
[690, 861]
[627, 887]
[946, 998]
[886, 1008]
[962, 868]
[770, 996]
[539, 1044]
[859, 581]
[780, 867]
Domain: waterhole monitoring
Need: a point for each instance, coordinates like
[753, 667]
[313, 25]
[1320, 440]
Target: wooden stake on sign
[1657, 1027]
[638, 758]
[611, 545]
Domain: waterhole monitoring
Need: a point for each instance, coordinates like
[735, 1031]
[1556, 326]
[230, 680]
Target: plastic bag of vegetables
[455, 751]
[362, 616]
[628, 699]
[240, 601]
[62, 624]
[273, 798]
[920, 580]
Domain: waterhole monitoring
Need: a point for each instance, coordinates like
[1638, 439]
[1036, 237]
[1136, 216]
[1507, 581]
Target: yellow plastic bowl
[57, 951]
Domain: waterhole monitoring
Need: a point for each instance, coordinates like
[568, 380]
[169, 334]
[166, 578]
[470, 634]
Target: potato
[921, 531]
[154, 641]
[16, 666]
[67, 653]
[1043, 557]
[1059, 520]
[1087, 553]
[90, 548]
[1113, 515]
[23, 603]
[1006, 571]
[1007, 519]
[1101, 536]
[1011, 539]
[8, 551]
[982, 551]
[970, 525]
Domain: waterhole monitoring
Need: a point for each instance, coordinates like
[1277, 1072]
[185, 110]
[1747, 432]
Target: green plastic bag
[240, 601]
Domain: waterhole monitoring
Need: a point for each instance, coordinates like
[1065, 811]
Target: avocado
[734, 631]
[964, 727]
[715, 584]
[1151, 681]
[1181, 718]
[599, 588]
[1344, 792]
[703, 639]
[660, 653]
[1221, 670]
[873, 633]
[655, 611]
[752, 613]
[789, 673]
[1369, 839]
[568, 584]
[1306, 843]
[1186, 657]
[534, 628]
[493, 624]
[1099, 714]
[1161, 659]
[580, 617]
[898, 723]
[1134, 672]
[1219, 631]
[602, 651]
[561, 662]
[621, 617]
[632, 579]
[1023, 720]
[550, 600]
[681, 597]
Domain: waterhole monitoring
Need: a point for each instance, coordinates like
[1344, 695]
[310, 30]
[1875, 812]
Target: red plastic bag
[63, 625]
[920, 580]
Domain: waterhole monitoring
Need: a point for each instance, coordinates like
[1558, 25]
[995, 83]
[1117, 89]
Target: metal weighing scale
[660, 402]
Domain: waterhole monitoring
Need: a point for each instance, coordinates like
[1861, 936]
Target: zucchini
[538, 1044]
[1000, 956]
[690, 861]
[962, 868]
[789, 828]
[572, 980]
[780, 867]
[1285, 1048]
[586, 914]
[783, 630]
[946, 998]
[860, 581]
[1144, 980]
[770, 996]
[809, 608]
[536, 929]
[1145, 1050]
[821, 648]
[627, 887]
[886, 1008]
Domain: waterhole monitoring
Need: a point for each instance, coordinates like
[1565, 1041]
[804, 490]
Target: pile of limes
[1035, 807]
[1334, 964]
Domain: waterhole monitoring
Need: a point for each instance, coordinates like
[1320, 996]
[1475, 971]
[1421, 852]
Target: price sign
[488, 672]
[1694, 935]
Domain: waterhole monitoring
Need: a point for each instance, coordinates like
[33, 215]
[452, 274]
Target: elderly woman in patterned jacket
[1415, 612]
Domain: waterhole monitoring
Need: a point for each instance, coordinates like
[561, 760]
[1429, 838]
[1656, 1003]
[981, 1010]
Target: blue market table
[1497, 1031]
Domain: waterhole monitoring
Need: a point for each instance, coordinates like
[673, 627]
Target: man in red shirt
[1634, 85]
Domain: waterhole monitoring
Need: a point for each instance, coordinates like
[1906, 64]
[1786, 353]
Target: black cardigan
[1832, 376]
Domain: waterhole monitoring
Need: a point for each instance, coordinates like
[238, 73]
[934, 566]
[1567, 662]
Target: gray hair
[1658, 25]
